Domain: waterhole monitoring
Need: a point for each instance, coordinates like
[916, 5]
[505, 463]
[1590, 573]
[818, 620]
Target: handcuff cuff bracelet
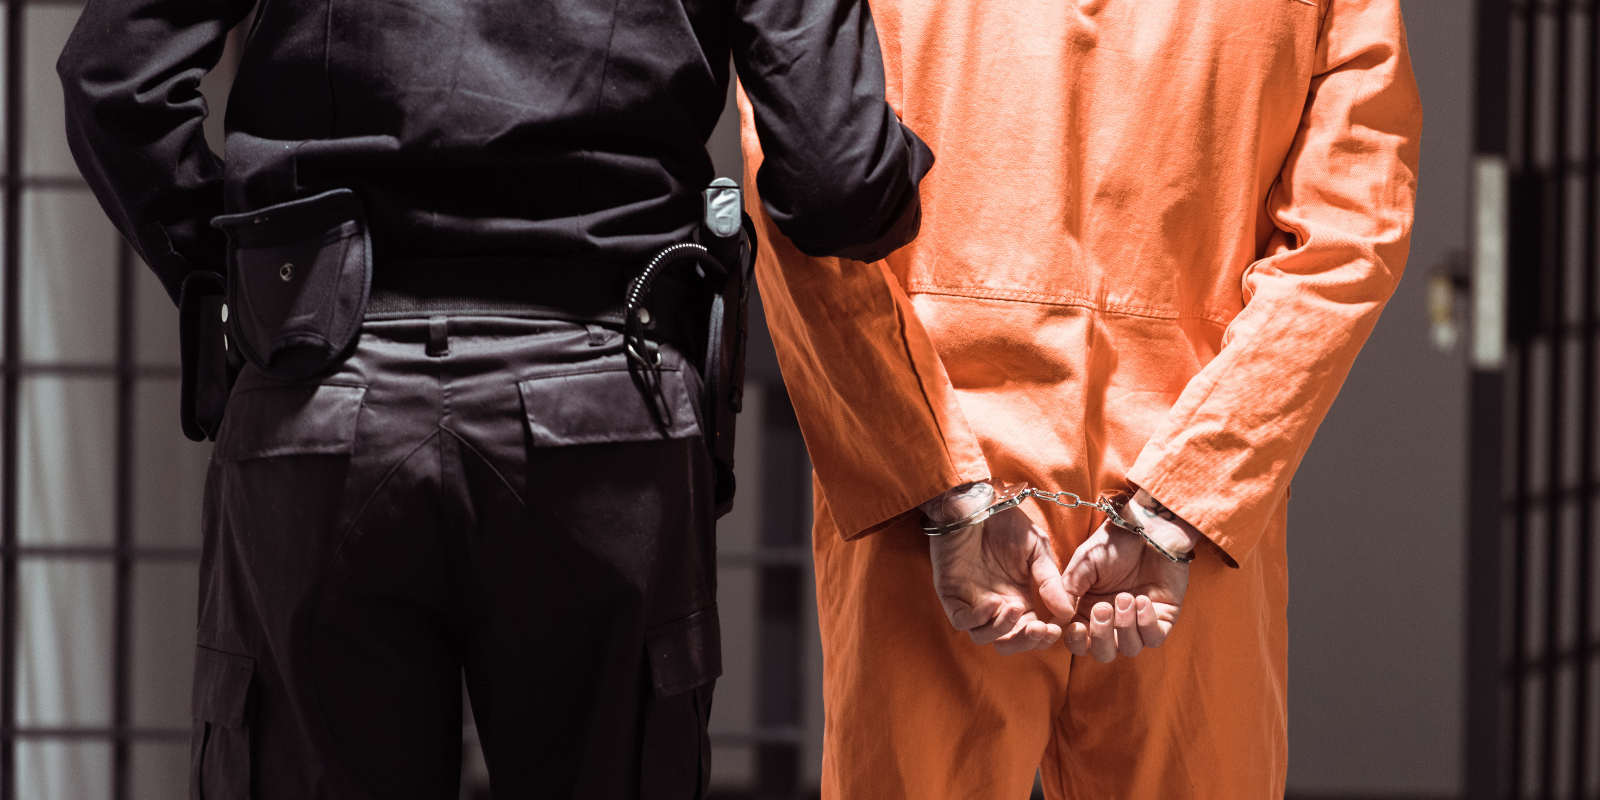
[1009, 495]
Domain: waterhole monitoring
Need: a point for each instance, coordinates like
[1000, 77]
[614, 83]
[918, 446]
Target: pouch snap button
[644, 316]
[286, 271]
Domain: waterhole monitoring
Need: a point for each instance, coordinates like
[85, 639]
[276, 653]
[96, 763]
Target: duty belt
[688, 296]
[589, 292]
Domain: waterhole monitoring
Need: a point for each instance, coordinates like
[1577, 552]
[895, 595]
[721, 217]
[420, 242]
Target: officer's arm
[840, 174]
[1342, 207]
[131, 76]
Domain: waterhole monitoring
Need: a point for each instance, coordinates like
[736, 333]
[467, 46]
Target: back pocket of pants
[301, 419]
[601, 405]
[219, 749]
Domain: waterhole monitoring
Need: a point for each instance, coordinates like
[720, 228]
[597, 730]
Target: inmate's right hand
[1126, 594]
[997, 580]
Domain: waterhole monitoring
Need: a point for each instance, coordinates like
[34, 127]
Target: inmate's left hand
[1127, 595]
[998, 580]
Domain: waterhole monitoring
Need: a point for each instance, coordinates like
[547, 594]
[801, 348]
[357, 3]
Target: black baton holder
[208, 373]
[725, 363]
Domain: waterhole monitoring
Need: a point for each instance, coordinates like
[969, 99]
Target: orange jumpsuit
[1156, 236]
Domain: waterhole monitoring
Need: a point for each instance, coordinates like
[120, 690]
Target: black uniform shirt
[569, 129]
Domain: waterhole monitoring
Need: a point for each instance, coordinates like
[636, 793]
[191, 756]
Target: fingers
[1151, 630]
[1048, 585]
[1127, 627]
[1031, 633]
[1001, 623]
[1078, 639]
[965, 617]
[1114, 629]
[1102, 636]
[1124, 626]
[1082, 571]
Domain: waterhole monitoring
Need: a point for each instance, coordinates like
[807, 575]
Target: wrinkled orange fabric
[1155, 238]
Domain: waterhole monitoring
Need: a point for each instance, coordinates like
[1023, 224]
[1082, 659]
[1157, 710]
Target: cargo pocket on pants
[685, 660]
[219, 749]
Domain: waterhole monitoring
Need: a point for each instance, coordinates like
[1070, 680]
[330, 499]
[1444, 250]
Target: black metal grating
[1534, 647]
[126, 375]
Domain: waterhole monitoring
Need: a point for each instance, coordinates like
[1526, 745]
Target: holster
[720, 259]
[727, 334]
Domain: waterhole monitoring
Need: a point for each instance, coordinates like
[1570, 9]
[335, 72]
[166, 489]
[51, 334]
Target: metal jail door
[1533, 682]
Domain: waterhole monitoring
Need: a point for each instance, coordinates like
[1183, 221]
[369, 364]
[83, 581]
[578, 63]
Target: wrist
[1176, 535]
[959, 503]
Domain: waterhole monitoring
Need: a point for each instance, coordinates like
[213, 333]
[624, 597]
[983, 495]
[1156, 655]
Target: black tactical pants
[486, 495]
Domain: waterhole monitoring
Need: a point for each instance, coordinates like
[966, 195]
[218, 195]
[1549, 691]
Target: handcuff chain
[1110, 510]
[1055, 497]
[1104, 504]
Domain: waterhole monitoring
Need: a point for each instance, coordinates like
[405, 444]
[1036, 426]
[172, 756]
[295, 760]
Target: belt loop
[438, 336]
[597, 335]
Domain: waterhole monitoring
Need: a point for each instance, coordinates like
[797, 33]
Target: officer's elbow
[69, 69]
[866, 207]
[866, 239]
[75, 68]
[863, 219]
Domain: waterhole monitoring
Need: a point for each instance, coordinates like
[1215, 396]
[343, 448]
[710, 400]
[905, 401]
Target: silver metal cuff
[1005, 496]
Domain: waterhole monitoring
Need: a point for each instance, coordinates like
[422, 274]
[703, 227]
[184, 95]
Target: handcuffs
[1009, 495]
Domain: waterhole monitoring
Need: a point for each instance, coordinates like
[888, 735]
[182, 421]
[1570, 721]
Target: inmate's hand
[1126, 594]
[997, 580]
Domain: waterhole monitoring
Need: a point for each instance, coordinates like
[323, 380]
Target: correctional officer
[482, 307]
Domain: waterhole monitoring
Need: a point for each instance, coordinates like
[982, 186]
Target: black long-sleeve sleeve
[812, 70]
[132, 71]
[570, 129]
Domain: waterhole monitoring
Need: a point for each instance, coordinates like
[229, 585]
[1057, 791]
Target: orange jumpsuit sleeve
[1342, 209]
[880, 419]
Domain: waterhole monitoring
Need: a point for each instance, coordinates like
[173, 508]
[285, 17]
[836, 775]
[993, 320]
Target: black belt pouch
[299, 275]
[208, 374]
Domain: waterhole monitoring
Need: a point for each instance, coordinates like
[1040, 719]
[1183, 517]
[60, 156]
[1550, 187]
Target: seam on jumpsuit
[1020, 296]
[1059, 741]
[911, 361]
